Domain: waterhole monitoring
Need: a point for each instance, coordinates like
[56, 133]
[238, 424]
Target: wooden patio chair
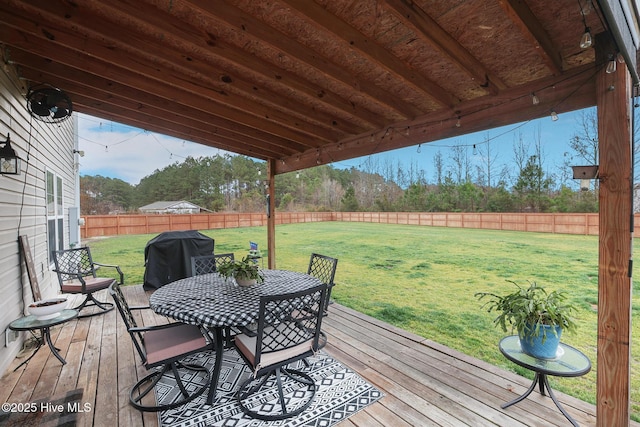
[282, 338]
[161, 348]
[77, 274]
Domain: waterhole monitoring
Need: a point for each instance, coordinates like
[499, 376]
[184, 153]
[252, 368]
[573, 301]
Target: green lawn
[423, 279]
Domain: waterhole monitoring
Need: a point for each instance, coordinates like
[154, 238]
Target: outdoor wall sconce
[9, 161]
[585, 174]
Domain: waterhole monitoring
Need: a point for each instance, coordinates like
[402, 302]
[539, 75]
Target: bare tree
[488, 162]
[461, 163]
[438, 166]
[584, 143]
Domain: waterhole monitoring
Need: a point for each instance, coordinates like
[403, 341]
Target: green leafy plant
[529, 308]
[246, 269]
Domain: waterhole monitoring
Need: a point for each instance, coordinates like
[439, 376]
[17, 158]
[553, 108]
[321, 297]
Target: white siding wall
[41, 147]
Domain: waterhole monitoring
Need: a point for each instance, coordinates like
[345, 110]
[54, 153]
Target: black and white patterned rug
[341, 393]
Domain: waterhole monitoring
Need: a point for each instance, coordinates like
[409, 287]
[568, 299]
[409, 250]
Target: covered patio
[304, 83]
[424, 382]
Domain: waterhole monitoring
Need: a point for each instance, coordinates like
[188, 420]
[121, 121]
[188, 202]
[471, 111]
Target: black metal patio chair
[204, 264]
[161, 349]
[77, 274]
[324, 268]
[282, 338]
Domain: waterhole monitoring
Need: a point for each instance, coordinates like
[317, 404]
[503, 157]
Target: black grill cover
[167, 257]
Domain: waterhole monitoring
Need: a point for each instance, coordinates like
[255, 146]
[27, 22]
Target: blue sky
[119, 151]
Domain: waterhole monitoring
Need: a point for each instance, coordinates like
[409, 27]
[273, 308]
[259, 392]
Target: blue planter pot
[545, 345]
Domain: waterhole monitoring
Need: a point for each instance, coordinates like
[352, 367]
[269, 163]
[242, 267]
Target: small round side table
[31, 323]
[569, 362]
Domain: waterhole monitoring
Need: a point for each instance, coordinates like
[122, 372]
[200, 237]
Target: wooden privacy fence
[562, 223]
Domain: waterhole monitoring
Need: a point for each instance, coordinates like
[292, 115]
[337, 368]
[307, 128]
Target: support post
[271, 218]
[613, 94]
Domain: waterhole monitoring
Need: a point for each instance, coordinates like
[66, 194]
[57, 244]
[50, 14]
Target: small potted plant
[246, 272]
[539, 316]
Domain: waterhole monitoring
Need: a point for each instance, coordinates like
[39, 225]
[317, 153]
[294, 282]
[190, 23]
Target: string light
[611, 66]
[534, 99]
[586, 40]
[458, 124]
[419, 149]
[475, 151]
[554, 115]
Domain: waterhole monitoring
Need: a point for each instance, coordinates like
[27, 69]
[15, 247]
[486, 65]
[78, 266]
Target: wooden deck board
[424, 382]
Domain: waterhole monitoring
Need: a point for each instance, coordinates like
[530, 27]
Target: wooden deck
[425, 384]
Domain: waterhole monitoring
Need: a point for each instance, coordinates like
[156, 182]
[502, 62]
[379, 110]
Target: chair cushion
[169, 343]
[247, 345]
[93, 284]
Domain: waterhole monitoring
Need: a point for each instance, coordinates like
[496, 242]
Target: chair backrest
[71, 262]
[324, 268]
[203, 264]
[129, 320]
[223, 258]
[288, 320]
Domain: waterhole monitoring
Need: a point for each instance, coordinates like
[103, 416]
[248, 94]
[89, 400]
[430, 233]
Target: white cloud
[118, 151]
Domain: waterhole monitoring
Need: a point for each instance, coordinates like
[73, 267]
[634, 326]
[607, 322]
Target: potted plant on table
[246, 272]
[539, 316]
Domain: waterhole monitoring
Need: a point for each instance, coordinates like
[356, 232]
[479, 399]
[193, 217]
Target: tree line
[235, 183]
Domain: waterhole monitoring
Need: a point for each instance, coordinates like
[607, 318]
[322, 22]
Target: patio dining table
[216, 303]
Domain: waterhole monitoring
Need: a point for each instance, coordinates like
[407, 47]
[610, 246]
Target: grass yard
[423, 279]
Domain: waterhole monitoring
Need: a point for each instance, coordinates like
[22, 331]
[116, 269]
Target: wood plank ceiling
[307, 82]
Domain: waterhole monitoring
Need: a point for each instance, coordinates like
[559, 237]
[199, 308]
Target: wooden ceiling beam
[523, 18]
[373, 51]
[189, 134]
[265, 34]
[92, 66]
[576, 91]
[110, 88]
[232, 60]
[181, 58]
[88, 99]
[103, 57]
[153, 80]
[427, 28]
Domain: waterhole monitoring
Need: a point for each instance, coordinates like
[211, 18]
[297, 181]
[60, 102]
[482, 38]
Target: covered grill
[168, 256]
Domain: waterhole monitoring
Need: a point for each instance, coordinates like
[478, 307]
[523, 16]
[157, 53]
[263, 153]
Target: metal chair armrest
[117, 267]
[74, 273]
[154, 327]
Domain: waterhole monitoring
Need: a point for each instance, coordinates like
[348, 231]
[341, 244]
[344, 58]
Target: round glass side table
[31, 323]
[569, 362]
